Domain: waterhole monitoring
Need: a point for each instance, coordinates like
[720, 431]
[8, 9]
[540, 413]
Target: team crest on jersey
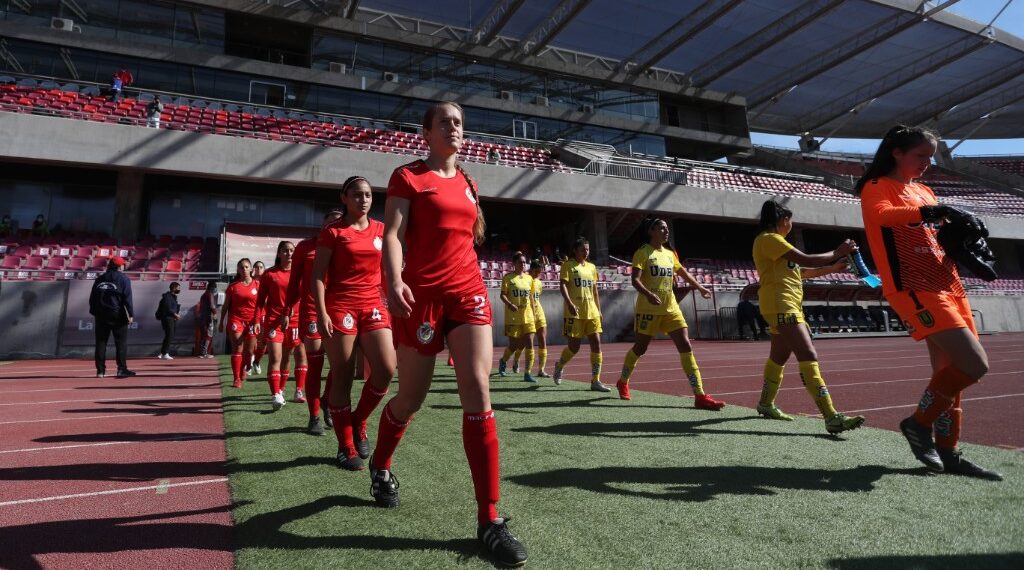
[348, 321]
[378, 243]
[234, 327]
[926, 318]
[311, 328]
[273, 333]
[425, 333]
[254, 291]
[469, 194]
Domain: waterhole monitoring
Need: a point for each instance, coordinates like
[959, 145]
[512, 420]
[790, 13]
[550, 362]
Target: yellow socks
[772, 382]
[629, 365]
[542, 356]
[596, 358]
[528, 362]
[810, 373]
[692, 372]
[565, 358]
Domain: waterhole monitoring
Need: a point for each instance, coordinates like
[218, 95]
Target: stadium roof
[840, 68]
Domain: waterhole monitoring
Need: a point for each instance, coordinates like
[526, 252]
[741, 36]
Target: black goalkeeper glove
[940, 212]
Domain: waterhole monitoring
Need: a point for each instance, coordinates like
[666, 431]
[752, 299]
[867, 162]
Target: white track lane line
[831, 386]
[162, 486]
[210, 384]
[122, 416]
[105, 443]
[914, 405]
[105, 400]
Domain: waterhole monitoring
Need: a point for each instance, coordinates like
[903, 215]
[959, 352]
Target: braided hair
[480, 225]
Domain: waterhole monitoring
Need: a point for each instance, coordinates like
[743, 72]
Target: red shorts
[236, 325]
[925, 313]
[359, 321]
[280, 335]
[433, 317]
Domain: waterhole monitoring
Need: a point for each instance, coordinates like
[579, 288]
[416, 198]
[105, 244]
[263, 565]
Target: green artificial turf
[594, 482]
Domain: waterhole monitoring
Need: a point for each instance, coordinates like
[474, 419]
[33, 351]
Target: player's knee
[976, 367]
[639, 349]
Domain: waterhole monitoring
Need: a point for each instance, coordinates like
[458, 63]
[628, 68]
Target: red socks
[342, 418]
[947, 426]
[316, 367]
[284, 380]
[389, 434]
[300, 377]
[480, 438]
[236, 366]
[327, 385]
[942, 391]
[273, 379]
[368, 401]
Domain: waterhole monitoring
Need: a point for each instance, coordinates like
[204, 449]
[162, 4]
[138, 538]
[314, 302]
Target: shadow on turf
[1014, 560]
[649, 430]
[526, 407]
[699, 484]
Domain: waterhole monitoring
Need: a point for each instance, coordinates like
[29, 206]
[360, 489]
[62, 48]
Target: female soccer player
[300, 293]
[539, 319]
[921, 283]
[655, 267]
[433, 210]
[347, 281]
[276, 317]
[240, 311]
[582, 316]
[781, 301]
[258, 269]
[520, 323]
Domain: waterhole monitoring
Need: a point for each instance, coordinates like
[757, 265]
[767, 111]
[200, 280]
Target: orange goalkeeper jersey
[905, 249]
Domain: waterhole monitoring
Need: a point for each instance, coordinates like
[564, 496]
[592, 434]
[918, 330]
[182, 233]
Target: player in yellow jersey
[781, 297]
[655, 268]
[582, 314]
[517, 295]
[540, 320]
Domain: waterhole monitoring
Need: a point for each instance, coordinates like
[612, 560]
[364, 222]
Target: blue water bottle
[860, 269]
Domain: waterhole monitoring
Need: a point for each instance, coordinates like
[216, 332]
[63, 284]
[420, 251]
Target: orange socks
[942, 391]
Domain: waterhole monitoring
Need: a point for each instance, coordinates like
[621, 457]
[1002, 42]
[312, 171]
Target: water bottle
[860, 269]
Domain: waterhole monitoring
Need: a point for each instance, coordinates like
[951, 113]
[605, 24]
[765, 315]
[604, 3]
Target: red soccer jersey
[439, 231]
[354, 277]
[906, 251]
[301, 281]
[243, 300]
[273, 289]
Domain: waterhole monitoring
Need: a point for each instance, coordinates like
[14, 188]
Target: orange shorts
[925, 313]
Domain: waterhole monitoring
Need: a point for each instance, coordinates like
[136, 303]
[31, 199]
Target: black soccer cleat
[505, 548]
[383, 487]
[361, 441]
[327, 418]
[125, 373]
[920, 439]
[955, 464]
[315, 427]
[350, 463]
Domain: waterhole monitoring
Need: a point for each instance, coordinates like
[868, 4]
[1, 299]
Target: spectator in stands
[781, 297]
[121, 79]
[921, 283]
[205, 319]
[40, 227]
[110, 303]
[493, 156]
[748, 315]
[153, 110]
[538, 255]
[168, 313]
[6, 226]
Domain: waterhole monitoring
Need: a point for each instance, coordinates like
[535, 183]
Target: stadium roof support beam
[942, 105]
[773, 33]
[984, 107]
[848, 47]
[349, 11]
[551, 25]
[676, 35]
[499, 15]
[855, 100]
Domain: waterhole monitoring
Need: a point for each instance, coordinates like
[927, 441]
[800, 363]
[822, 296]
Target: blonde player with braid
[655, 267]
[582, 317]
[517, 295]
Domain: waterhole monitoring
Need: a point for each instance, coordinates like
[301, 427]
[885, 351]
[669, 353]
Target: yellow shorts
[776, 319]
[579, 328]
[650, 325]
[516, 331]
[540, 323]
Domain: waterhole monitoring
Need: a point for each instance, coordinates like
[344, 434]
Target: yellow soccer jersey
[538, 309]
[657, 269]
[581, 278]
[782, 289]
[519, 289]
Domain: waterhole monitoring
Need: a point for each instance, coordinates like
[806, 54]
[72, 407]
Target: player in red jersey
[240, 311]
[280, 336]
[433, 211]
[261, 347]
[351, 309]
[300, 293]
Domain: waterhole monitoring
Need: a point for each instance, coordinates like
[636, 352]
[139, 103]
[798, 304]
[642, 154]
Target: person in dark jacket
[111, 305]
[205, 318]
[747, 315]
[168, 313]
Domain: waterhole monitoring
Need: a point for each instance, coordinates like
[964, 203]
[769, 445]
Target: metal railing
[73, 274]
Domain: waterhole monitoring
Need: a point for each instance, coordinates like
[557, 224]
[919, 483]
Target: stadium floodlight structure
[982, 108]
[551, 25]
[943, 104]
[676, 35]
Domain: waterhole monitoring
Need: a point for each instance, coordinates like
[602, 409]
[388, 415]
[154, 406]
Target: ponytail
[899, 137]
[480, 225]
[772, 213]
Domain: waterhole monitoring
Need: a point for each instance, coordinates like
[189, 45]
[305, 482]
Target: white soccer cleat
[277, 401]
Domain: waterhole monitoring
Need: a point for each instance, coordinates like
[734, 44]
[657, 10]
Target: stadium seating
[960, 192]
[1006, 164]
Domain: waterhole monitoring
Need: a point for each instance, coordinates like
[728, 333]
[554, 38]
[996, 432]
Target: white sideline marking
[210, 384]
[104, 443]
[163, 485]
[69, 419]
[95, 401]
[830, 386]
[914, 405]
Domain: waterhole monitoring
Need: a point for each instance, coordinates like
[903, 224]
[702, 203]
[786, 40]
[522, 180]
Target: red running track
[111, 473]
[880, 378]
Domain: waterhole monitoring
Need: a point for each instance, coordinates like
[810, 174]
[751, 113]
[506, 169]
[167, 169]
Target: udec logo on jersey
[348, 321]
[425, 333]
[378, 243]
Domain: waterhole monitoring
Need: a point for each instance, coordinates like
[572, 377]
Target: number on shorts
[480, 302]
[375, 315]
